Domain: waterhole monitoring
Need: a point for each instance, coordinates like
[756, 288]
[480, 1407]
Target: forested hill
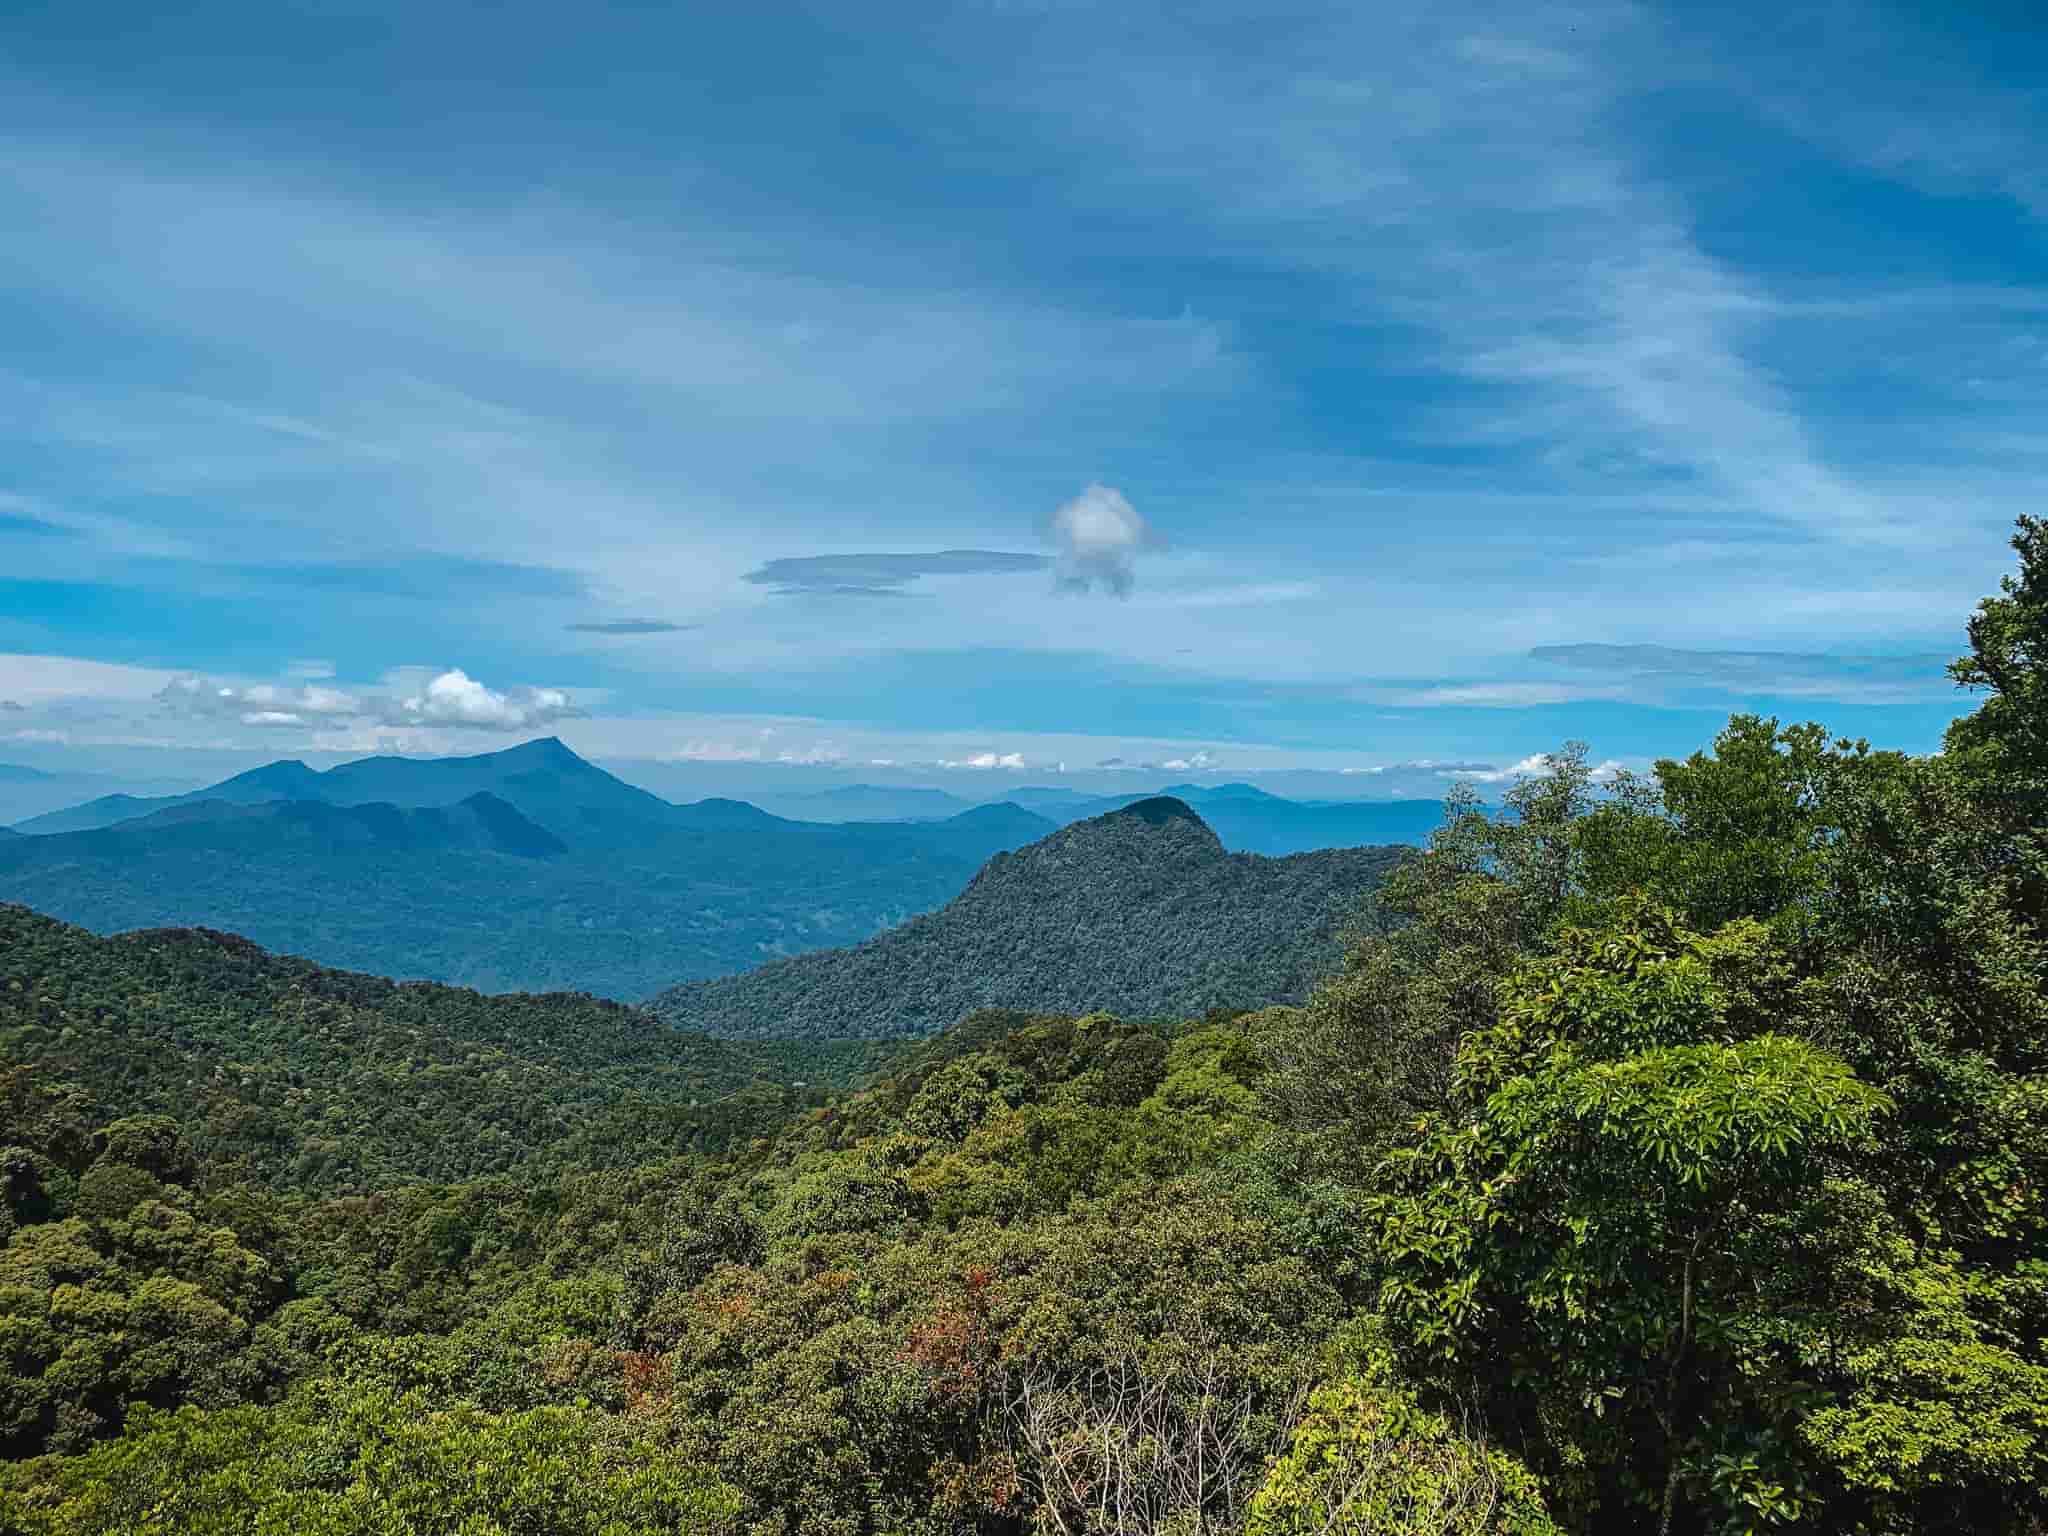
[1139, 912]
[322, 1081]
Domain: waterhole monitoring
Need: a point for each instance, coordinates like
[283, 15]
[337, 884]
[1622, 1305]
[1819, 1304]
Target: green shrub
[1367, 1461]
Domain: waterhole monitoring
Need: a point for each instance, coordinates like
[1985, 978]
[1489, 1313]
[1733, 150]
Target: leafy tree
[1582, 1226]
[2006, 738]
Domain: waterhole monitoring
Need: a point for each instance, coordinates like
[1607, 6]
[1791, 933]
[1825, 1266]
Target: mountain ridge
[1140, 911]
[553, 874]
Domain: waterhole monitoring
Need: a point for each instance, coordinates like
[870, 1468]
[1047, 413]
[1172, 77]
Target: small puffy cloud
[259, 703]
[450, 699]
[884, 575]
[985, 760]
[716, 752]
[1533, 766]
[1099, 535]
[1192, 762]
[1528, 768]
[628, 627]
[454, 698]
[821, 756]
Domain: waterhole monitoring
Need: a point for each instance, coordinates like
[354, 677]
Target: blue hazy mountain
[1251, 820]
[524, 869]
[870, 802]
[480, 823]
[545, 779]
[1248, 819]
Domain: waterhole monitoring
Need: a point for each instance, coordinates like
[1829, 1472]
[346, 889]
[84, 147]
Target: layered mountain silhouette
[480, 823]
[545, 779]
[1140, 911]
[1248, 819]
[526, 869]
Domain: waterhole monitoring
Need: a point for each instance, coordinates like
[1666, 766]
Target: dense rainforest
[1665, 1156]
[1137, 911]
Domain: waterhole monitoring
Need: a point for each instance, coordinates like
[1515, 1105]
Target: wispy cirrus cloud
[884, 575]
[1780, 674]
[1430, 331]
[628, 627]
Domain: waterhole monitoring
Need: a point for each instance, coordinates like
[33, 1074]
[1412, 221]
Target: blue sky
[894, 389]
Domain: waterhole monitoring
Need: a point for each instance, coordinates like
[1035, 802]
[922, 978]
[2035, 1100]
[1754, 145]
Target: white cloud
[451, 699]
[1530, 766]
[454, 698]
[35, 680]
[1194, 762]
[1099, 534]
[985, 760]
[824, 754]
[1495, 695]
[258, 703]
[715, 752]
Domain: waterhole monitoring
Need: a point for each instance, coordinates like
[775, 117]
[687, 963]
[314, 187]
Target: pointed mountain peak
[551, 751]
[286, 771]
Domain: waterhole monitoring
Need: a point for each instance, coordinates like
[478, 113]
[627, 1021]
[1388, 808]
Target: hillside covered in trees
[1666, 1159]
[282, 1073]
[1138, 912]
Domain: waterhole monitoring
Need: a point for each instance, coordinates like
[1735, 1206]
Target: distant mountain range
[545, 779]
[533, 869]
[481, 823]
[1139, 911]
[1245, 817]
[528, 869]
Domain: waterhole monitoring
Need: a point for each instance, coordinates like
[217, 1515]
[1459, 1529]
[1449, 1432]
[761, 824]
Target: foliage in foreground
[1674, 1158]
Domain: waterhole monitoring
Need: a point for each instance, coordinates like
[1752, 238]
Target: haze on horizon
[1005, 394]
